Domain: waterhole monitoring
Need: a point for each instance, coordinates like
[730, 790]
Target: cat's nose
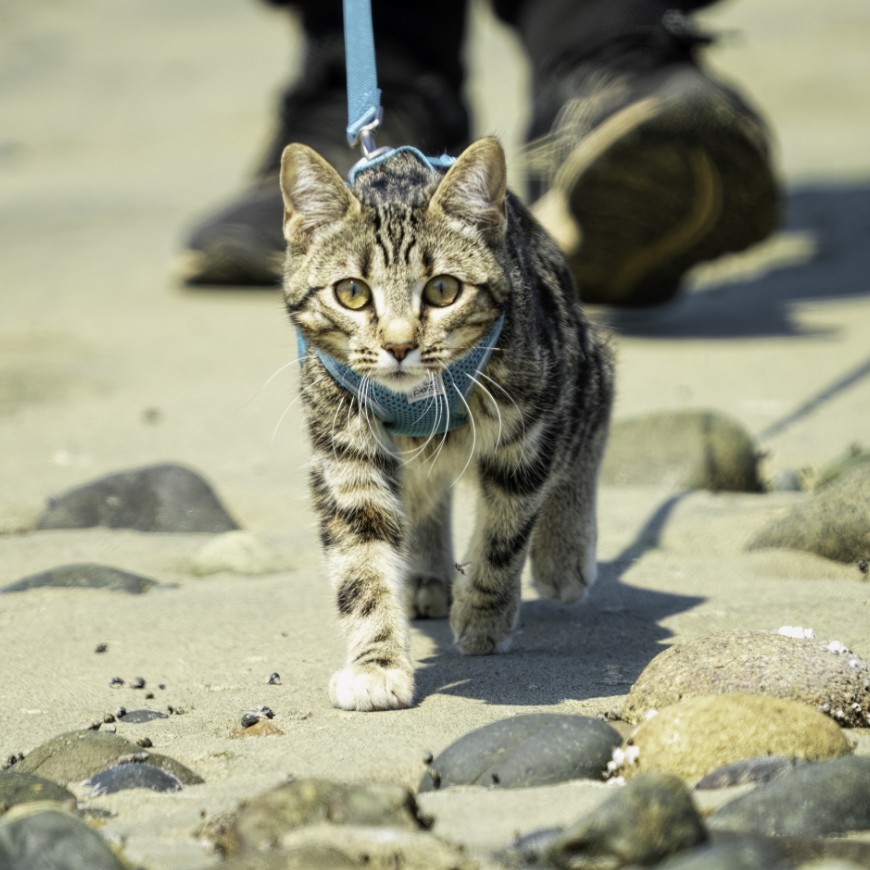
[399, 349]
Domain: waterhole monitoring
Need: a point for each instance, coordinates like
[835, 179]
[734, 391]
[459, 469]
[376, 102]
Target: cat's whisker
[473, 434]
[284, 413]
[338, 408]
[509, 397]
[490, 396]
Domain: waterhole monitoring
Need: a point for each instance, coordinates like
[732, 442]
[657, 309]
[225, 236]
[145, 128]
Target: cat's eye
[442, 290]
[353, 293]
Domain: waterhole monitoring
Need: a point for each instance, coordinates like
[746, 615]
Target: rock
[751, 770]
[737, 853]
[333, 847]
[158, 498]
[813, 800]
[132, 774]
[697, 735]
[684, 450]
[77, 755]
[239, 552]
[854, 457]
[534, 749]
[17, 787]
[32, 836]
[756, 663]
[262, 822]
[138, 717]
[833, 522]
[642, 823]
[84, 575]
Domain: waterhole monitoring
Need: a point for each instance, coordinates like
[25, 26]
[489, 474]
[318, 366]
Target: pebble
[641, 823]
[684, 450]
[263, 822]
[533, 749]
[698, 735]
[157, 498]
[834, 521]
[132, 774]
[239, 552]
[813, 800]
[800, 669]
[84, 575]
[33, 836]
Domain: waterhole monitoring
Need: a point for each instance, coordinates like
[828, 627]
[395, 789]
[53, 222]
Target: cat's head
[402, 274]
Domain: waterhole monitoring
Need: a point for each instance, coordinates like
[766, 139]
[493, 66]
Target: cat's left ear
[473, 190]
[314, 193]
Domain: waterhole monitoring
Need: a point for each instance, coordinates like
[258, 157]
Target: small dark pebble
[12, 759]
[249, 719]
[161, 686]
[145, 742]
[762, 769]
[116, 682]
[95, 726]
[121, 712]
[149, 696]
[428, 757]
[101, 648]
[275, 679]
[108, 718]
[137, 683]
[132, 774]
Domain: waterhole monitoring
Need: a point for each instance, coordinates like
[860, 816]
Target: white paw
[371, 688]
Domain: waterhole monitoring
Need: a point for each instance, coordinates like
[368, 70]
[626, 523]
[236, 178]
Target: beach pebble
[263, 821]
[807, 670]
[158, 498]
[132, 775]
[682, 449]
[331, 847]
[84, 575]
[697, 735]
[239, 552]
[641, 823]
[32, 836]
[137, 717]
[78, 755]
[812, 800]
[17, 787]
[834, 521]
[534, 749]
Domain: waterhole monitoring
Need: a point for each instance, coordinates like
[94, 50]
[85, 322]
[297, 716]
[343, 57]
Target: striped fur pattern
[370, 279]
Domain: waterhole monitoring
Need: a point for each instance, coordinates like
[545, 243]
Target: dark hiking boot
[242, 243]
[641, 165]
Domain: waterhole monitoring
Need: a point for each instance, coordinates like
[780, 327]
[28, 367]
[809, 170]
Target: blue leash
[441, 404]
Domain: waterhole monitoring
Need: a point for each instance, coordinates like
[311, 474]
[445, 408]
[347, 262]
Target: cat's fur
[539, 413]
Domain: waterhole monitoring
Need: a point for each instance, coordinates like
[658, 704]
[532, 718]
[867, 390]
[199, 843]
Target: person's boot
[642, 165]
[242, 243]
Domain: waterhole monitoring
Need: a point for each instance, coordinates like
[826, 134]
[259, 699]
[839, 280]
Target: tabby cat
[441, 334]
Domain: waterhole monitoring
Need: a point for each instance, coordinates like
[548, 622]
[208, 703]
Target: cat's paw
[430, 597]
[566, 586]
[371, 688]
[480, 633]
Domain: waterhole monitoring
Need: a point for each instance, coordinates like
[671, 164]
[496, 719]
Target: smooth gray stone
[643, 822]
[535, 749]
[813, 800]
[737, 853]
[158, 498]
[751, 770]
[84, 575]
[132, 775]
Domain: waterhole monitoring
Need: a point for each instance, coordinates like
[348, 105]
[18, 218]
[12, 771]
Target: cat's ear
[314, 193]
[473, 190]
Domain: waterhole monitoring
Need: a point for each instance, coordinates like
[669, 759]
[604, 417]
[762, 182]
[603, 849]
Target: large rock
[833, 522]
[813, 800]
[158, 498]
[698, 735]
[17, 787]
[84, 575]
[535, 749]
[684, 450]
[837, 683]
[642, 823]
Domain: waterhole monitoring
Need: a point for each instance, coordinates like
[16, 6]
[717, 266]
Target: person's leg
[640, 163]
[420, 76]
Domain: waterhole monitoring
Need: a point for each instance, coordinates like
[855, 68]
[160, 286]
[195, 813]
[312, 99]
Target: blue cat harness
[441, 403]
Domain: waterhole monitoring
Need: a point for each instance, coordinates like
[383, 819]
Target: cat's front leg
[362, 534]
[486, 598]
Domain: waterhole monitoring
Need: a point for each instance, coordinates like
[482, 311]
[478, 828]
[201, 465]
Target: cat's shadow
[593, 649]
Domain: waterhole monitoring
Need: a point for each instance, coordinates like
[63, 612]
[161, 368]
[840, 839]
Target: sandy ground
[119, 122]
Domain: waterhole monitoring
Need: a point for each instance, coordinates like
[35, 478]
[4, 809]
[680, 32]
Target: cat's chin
[402, 382]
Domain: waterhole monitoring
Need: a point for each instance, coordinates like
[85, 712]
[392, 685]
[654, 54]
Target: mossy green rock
[262, 822]
[684, 450]
[699, 735]
[642, 823]
[535, 749]
[833, 522]
[17, 787]
[813, 800]
[755, 663]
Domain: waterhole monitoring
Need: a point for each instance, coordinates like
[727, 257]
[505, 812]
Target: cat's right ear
[314, 193]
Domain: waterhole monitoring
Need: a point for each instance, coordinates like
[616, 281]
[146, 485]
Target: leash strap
[363, 95]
